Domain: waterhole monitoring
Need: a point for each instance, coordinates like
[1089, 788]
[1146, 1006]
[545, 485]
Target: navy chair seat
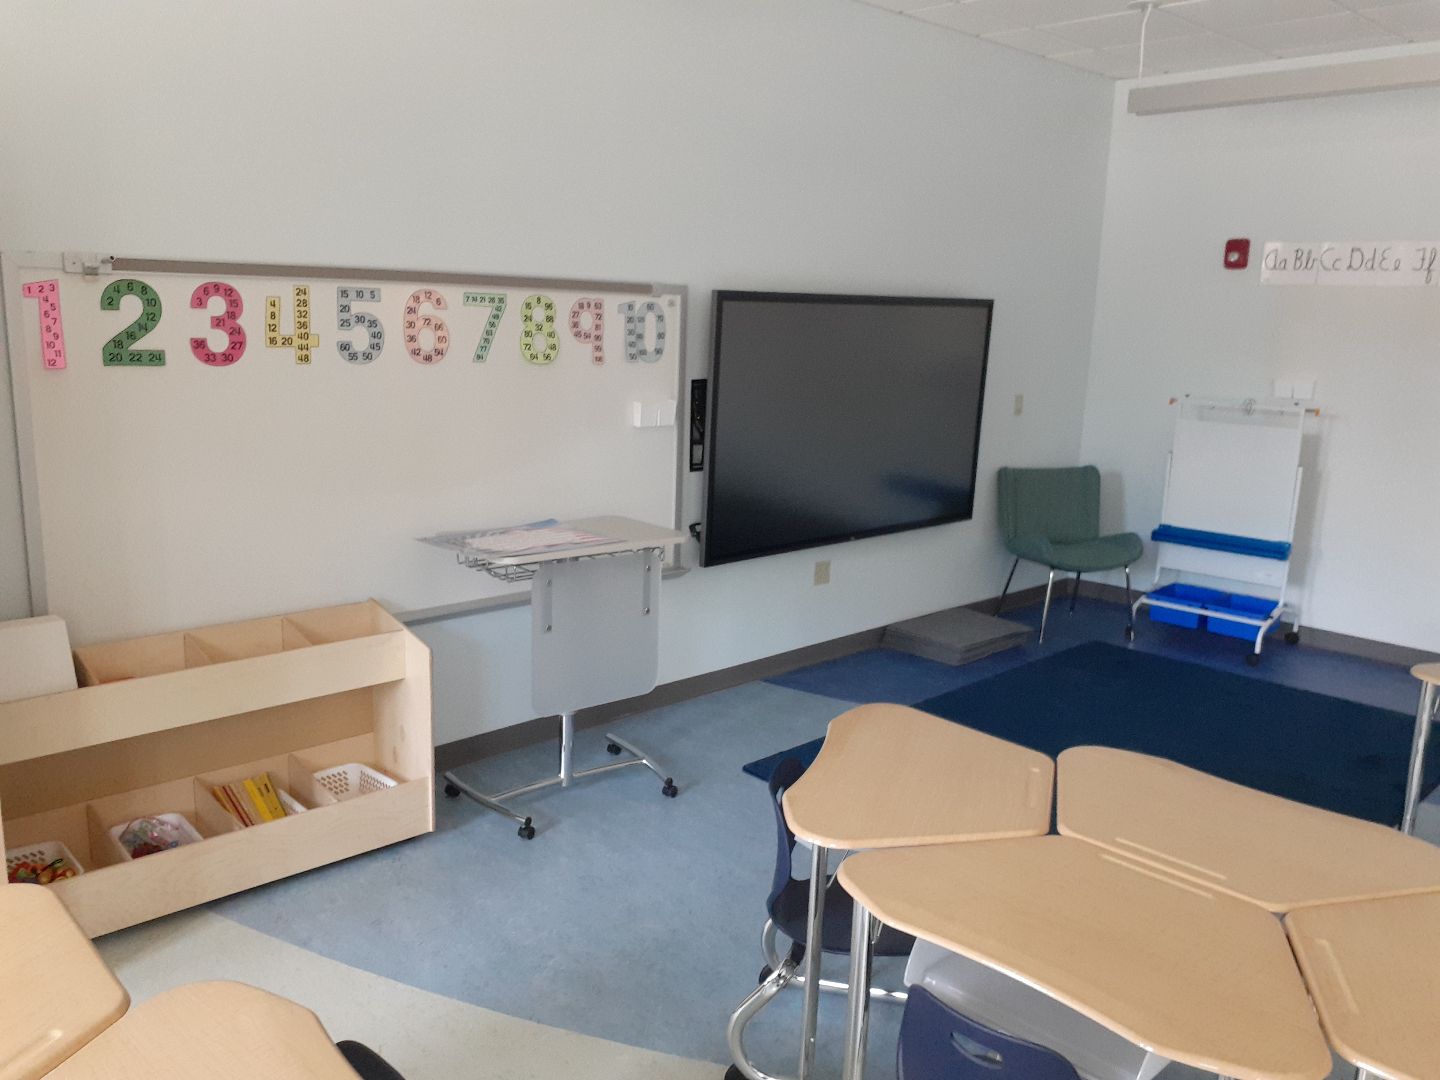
[789, 902]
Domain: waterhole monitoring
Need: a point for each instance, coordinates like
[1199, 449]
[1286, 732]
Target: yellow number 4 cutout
[302, 340]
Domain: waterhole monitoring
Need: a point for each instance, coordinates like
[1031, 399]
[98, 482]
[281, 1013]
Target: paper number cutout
[117, 352]
[543, 327]
[302, 341]
[637, 317]
[348, 319]
[52, 334]
[594, 334]
[416, 321]
[228, 323]
[496, 303]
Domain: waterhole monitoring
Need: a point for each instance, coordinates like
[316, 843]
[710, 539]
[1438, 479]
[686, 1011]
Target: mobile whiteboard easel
[1232, 490]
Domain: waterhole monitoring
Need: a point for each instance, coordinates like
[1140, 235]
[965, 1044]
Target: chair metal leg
[1424, 717]
[1009, 578]
[1045, 613]
[1129, 608]
[1074, 592]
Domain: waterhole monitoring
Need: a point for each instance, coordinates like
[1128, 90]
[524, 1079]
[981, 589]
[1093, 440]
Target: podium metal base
[455, 787]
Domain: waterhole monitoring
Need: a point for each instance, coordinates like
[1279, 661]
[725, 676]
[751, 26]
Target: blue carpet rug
[1315, 749]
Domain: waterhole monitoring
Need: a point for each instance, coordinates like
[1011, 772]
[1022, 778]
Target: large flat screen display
[838, 417]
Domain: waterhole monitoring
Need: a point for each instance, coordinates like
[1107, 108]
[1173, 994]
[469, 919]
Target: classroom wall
[1171, 320]
[815, 144]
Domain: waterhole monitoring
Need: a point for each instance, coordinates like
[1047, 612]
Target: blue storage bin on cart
[1252, 607]
[1194, 595]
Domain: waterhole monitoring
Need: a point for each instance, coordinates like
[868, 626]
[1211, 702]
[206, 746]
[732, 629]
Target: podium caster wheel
[451, 791]
[526, 831]
[1292, 637]
[611, 748]
[669, 790]
[1252, 659]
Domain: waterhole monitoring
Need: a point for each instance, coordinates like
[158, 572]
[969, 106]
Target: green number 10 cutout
[118, 351]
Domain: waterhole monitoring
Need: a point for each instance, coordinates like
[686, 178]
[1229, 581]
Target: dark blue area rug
[1325, 751]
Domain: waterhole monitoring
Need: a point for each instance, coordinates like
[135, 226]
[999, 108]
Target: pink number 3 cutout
[228, 323]
[52, 334]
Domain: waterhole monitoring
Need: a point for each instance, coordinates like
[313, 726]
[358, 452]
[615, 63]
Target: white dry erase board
[202, 442]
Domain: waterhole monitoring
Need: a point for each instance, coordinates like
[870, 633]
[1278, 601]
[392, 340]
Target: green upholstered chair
[1052, 517]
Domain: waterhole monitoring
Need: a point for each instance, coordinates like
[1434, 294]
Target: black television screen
[837, 417]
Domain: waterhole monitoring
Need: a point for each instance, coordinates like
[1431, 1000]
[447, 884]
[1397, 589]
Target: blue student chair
[788, 910]
[1052, 517]
[938, 1043]
[367, 1064]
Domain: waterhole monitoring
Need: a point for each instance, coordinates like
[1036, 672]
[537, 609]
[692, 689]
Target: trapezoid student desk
[56, 994]
[1259, 847]
[1373, 968]
[892, 776]
[1106, 935]
[595, 637]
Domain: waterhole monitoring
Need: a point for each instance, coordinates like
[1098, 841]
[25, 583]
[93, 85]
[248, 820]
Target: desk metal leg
[1424, 716]
[814, 953]
[863, 932]
[565, 776]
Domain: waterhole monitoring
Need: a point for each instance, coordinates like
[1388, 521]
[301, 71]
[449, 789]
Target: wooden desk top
[1193, 975]
[1273, 852]
[1429, 673]
[893, 776]
[1374, 972]
[56, 994]
[214, 1030]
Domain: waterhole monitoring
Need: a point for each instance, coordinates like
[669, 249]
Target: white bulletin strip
[1409, 263]
[203, 441]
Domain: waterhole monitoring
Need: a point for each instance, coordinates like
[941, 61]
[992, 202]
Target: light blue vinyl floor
[635, 917]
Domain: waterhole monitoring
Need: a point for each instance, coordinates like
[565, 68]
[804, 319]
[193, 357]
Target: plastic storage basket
[349, 781]
[180, 821]
[43, 853]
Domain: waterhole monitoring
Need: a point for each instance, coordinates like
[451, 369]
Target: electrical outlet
[822, 572]
[1019, 404]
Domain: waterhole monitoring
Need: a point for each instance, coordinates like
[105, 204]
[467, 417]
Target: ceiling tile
[1033, 41]
[1194, 53]
[1227, 15]
[1106, 31]
[968, 18]
[1043, 12]
[1332, 30]
[1415, 21]
[1101, 61]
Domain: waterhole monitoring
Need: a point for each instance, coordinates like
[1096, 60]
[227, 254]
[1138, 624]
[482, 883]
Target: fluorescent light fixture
[1353, 77]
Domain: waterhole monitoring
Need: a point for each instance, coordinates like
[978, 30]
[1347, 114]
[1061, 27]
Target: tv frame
[713, 427]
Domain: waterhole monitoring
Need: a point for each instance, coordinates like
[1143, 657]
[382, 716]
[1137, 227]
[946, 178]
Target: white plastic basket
[180, 821]
[349, 781]
[43, 853]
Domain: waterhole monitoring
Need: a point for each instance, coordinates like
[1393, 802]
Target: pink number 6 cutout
[228, 323]
[594, 334]
[52, 334]
[416, 321]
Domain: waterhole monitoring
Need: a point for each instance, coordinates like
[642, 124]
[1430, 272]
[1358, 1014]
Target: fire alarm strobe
[1237, 254]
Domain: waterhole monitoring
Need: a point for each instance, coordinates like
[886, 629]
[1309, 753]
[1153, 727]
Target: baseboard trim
[544, 729]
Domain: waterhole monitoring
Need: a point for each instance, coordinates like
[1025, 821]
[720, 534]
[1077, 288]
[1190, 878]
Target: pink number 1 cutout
[52, 334]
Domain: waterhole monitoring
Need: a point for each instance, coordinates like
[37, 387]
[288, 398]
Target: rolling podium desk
[594, 635]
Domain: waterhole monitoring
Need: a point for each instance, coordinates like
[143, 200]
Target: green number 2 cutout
[118, 351]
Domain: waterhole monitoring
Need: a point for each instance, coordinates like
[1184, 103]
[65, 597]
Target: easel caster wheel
[451, 791]
[611, 748]
[669, 790]
[526, 831]
[1252, 659]
[1292, 637]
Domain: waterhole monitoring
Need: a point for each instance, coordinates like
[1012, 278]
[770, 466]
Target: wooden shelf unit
[158, 721]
